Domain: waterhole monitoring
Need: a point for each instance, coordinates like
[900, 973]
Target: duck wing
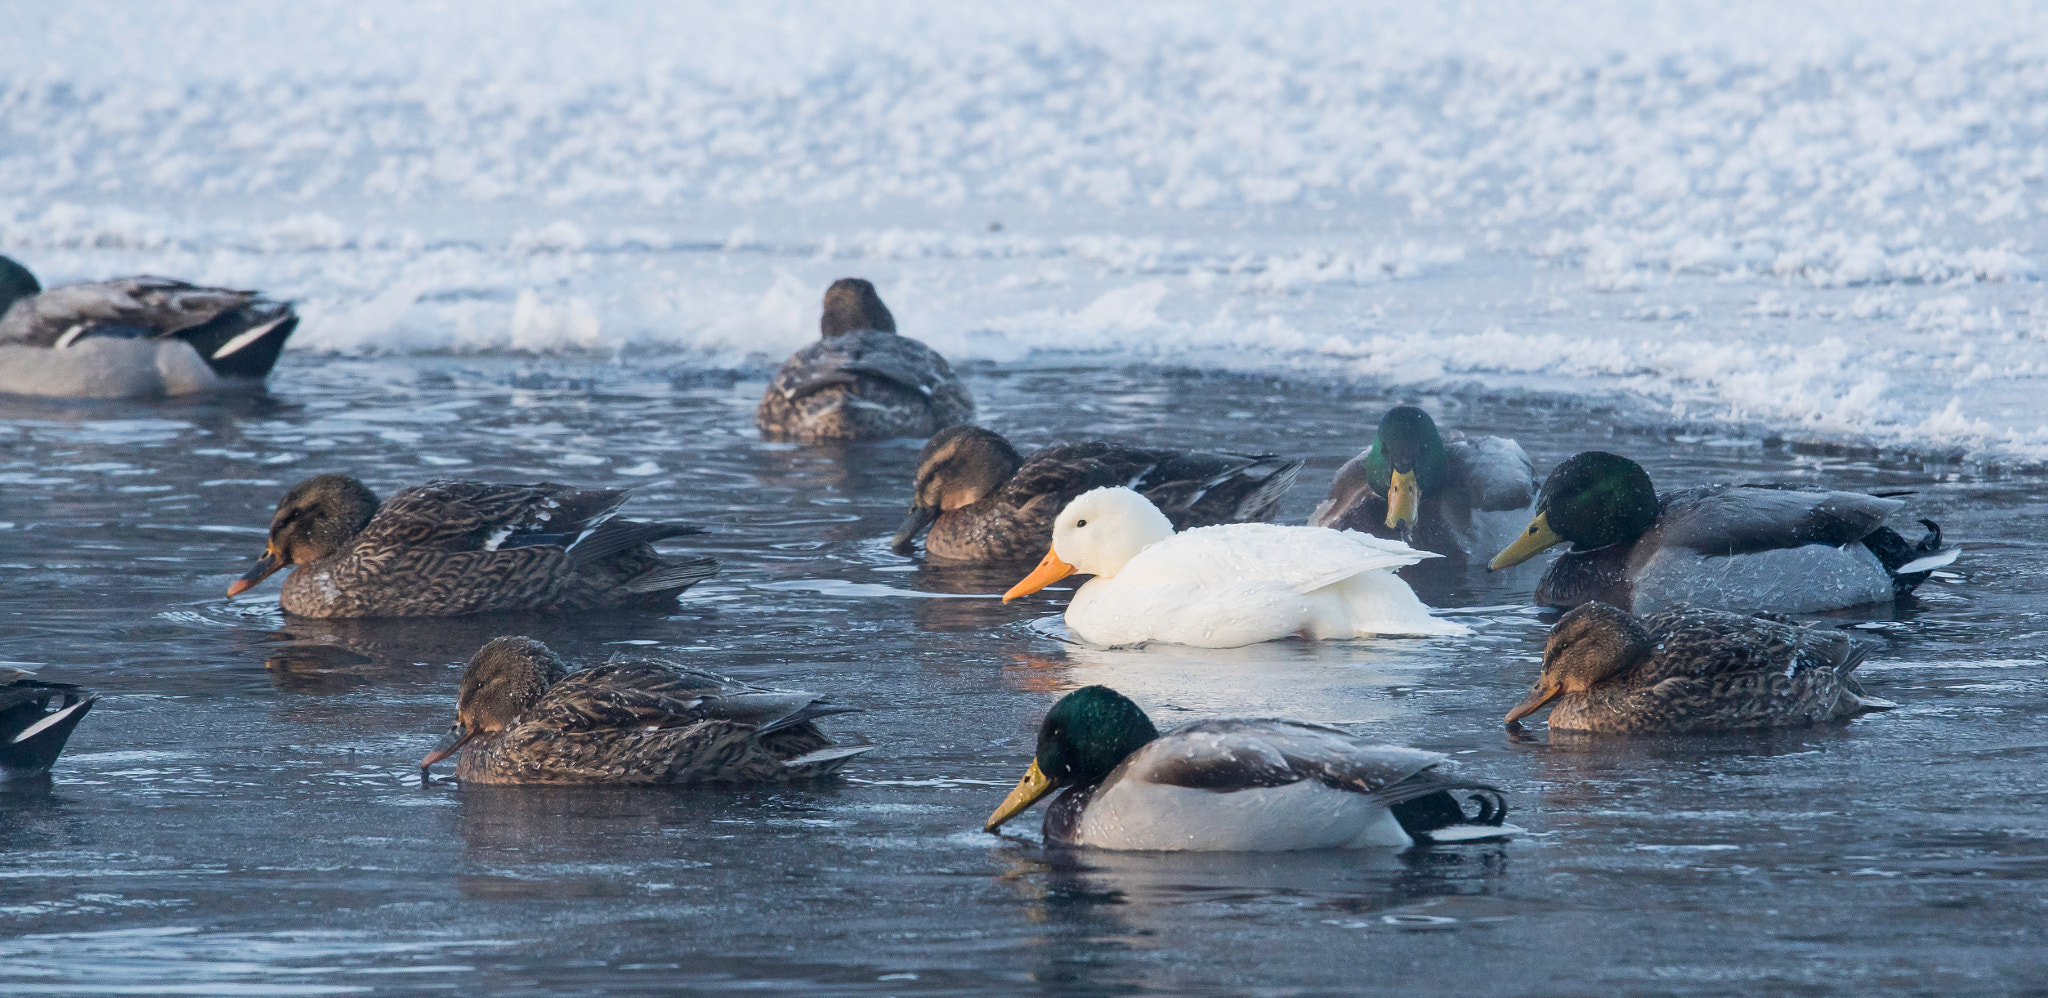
[1193, 488]
[1494, 473]
[1232, 754]
[650, 693]
[1351, 488]
[475, 516]
[154, 306]
[1745, 519]
[1302, 558]
[841, 361]
[1748, 669]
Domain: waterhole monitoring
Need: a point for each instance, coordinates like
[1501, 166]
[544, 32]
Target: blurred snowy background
[1822, 219]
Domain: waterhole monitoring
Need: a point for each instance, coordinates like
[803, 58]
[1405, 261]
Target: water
[241, 814]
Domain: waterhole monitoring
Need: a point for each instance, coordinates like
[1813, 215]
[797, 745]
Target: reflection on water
[243, 809]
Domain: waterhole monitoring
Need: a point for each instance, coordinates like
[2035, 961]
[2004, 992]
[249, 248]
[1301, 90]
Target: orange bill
[452, 743]
[265, 566]
[1050, 570]
[1538, 697]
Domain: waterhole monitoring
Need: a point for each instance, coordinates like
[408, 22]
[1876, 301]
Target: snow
[1824, 218]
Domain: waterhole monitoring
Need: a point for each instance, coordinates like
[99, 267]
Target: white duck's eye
[1080, 523]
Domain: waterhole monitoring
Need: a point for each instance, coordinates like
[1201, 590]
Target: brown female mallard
[444, 549]
[861, 381]
[32, 732]
[986, 504]
[1690, 670]
[522, 717]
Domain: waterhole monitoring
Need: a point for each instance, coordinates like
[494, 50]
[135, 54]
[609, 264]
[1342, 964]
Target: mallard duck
[1223, 586]
[31, 732]
[1687, 670]
[1731, 547]
[522, 717]
[1415, 486]
[861, 381]
[984, 503]
[1236, 785]
[135, 337]
[449, 548]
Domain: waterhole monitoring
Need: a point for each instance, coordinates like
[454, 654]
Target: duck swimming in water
[1414, 485]
[1729, 547]
[447, 548]
[861, 381]
[1223, 586]
[522, 717]
[1689, 670]
[32, 732]
[1236, 785]
[983, 503]
[135, 337]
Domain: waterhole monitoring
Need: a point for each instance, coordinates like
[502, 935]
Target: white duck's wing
[1495, 473]
[1303, 559]
[1235, 754]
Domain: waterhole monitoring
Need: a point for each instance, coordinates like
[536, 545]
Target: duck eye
[1080, 523]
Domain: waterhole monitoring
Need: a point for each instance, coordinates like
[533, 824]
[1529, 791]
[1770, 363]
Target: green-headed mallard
[449, 548]
[1236, 785]
[1731, 547]
[135, 337]
[986, 504]
[522, 717]
[861, 381]
[1692, 670]
[1414, 485]
[32, 731]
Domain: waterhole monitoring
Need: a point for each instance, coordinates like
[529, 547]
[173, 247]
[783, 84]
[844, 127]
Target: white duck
[1223, 586]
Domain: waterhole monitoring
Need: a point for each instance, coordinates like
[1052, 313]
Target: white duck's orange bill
[1050, 570]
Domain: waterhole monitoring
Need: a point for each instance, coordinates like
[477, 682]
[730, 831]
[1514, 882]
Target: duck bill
[1403, 496]
[1538, 697]
[263, 569]
[1534, 541]
[451, 743]
[1034, 785]
[1050, 570]
[906, 535]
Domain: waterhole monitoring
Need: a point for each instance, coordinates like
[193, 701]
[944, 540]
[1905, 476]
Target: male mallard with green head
[1688, 670]
[1414, 485]
[861, 381]
[1236, 785]
[134, 337]
[522, 717]
[1731, 547]
[446, 548]
[984, 504]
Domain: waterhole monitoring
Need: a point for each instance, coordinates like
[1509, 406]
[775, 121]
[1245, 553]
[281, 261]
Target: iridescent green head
[1593, 499]
[1083, 737]
[16, 283]
[1407, 463]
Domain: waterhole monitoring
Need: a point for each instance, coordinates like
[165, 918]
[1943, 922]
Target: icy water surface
[241, 813]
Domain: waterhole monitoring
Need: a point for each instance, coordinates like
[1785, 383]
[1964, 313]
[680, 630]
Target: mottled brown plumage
[861, 381]
[523, 718]
[449, 548]
[1689, 670]
[984, 504]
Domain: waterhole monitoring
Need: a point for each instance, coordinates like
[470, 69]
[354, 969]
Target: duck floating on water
[1417, 486]
[522, 717]
[1234, 785]
[1223, 586]
[449, 548]
[32, 732]
[861, 381]
[1689, 670]
[1729, 547]
[135, 337]
[984, 503]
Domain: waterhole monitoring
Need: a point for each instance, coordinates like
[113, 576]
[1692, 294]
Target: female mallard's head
[317, 518]
[1593, 499]
[851, 305]
[1590, 643]
[1097, 534]
[503, 680]
[1407, 461]
[1083, 737]
[16, 283]
[959, 466]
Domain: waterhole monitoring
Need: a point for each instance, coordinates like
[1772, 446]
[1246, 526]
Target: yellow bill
[1034, 785]
[1050, 570]
[1402, 498]
[1534, 541]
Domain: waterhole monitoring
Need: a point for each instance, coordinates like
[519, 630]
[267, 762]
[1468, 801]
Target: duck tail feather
[32, 750]
[824, 761]
[244, 342]
[614, 535]
[1910, 564]
[1262, 502]
[1426, 801]
[674, 578]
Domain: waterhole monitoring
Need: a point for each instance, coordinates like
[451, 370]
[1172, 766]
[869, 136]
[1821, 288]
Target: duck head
[16, 283]
[1406, 463]
[959, 466]
[503, 680]
[1591, 643]
[851, 305]
[1097, 534]
[315, 519]
[1082, 738]
[1593, 499]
